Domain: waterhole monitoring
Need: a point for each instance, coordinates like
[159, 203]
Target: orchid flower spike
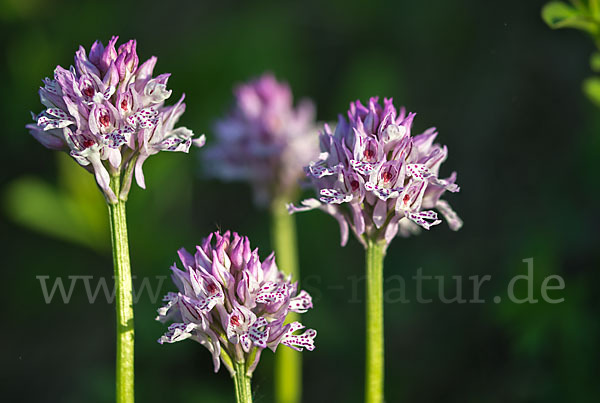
[234, 304]
[377, 179]
[264, 140]
[108, 112]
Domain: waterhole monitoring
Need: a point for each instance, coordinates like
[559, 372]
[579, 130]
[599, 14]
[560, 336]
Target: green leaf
[595, 9]
[595, 62]
[591, 87]
[81, 189]
[74, 212]
[560, 15]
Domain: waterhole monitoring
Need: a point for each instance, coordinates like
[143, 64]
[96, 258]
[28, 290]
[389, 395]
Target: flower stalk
[243, 389]
[108, 112]
[265, 141]
[379, 181]
[124, 298]
[288, 363]
[374, 368]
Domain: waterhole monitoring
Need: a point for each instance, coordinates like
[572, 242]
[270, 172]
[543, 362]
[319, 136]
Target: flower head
[232, 303]
[108, 112]
[376, 178]
[264, 140]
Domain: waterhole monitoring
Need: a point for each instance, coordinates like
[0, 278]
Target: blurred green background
[503, 90]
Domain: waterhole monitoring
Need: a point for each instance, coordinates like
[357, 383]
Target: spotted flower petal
[301, 303]
[177, 332]
[297, 341]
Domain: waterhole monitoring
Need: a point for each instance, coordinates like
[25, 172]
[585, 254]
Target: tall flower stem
[124, 297]
[288, 363]
[374, 322]
[243, 389]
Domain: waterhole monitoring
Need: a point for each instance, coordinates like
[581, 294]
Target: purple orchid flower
[264, 140]
[109, 114]
[233, 304]
[377, 179]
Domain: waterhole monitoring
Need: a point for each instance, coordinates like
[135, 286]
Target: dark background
[503, 90]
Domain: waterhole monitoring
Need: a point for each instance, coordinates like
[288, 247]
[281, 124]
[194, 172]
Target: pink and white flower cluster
[376, 178]
[234, 304]
[108, 112]
[264, 140]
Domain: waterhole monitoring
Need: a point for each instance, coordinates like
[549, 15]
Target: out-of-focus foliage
[585, 16]
[579, 16]
[74, 210]
[591, 87]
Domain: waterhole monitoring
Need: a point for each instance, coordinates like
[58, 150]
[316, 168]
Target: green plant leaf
[83, 193]
[595, 62]
[595, 9]
[74, 212]
[560, 15]
[591, 88]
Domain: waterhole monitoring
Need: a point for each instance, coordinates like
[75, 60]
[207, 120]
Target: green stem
[124, 297]
[243, 389]
[374, 322]
[288, 363]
